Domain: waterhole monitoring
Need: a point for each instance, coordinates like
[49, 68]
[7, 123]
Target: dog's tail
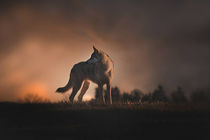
[65, 88]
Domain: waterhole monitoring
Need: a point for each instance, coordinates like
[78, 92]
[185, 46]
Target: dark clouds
[151, 42]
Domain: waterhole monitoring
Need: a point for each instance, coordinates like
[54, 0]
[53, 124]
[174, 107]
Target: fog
[150, 43]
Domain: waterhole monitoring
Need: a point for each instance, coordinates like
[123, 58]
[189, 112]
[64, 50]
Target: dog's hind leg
[83, 90]
[101, 94]
[76, 88]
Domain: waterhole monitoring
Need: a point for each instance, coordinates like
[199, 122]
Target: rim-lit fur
[98, 69]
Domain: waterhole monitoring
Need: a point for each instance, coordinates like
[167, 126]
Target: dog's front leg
[108, 85]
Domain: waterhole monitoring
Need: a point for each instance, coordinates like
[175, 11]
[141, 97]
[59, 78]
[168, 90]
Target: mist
[150, 44]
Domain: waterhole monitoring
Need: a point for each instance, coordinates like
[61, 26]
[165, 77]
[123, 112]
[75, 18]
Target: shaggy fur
[98, 69]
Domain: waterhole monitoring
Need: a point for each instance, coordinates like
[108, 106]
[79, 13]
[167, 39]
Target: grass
[96, 121]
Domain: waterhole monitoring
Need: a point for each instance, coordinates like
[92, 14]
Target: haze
[150, 43]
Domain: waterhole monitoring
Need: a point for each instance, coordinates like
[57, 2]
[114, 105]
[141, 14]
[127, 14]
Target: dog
[98, 69]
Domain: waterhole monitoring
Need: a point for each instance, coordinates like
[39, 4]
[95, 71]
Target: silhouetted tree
[200, 96]
[147, 98]
[126, 97]
[159, 95]
[178, 96]
[136, 95]
[116, 96]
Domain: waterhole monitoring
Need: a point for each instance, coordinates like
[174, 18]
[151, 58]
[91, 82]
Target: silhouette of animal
[98, 69]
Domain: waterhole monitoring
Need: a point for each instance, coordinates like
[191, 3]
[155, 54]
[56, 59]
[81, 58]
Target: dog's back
[100, 71]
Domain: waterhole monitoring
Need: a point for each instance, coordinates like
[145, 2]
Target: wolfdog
[98, 69]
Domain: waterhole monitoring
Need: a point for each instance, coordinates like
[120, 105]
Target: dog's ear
[95, 50]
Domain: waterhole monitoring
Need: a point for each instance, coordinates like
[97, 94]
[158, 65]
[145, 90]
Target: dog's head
[95, 56]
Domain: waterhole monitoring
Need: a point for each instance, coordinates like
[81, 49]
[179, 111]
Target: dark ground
[65, 121]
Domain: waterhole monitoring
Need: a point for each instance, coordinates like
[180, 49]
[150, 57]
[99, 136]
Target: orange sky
[37, 69]
[40, 42]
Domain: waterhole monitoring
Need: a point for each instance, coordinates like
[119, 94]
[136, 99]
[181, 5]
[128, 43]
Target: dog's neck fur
[92, 60]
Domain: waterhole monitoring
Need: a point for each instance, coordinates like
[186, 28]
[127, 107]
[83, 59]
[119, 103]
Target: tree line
[136, 96]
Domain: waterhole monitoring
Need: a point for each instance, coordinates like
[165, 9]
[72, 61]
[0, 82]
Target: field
[94, 121]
